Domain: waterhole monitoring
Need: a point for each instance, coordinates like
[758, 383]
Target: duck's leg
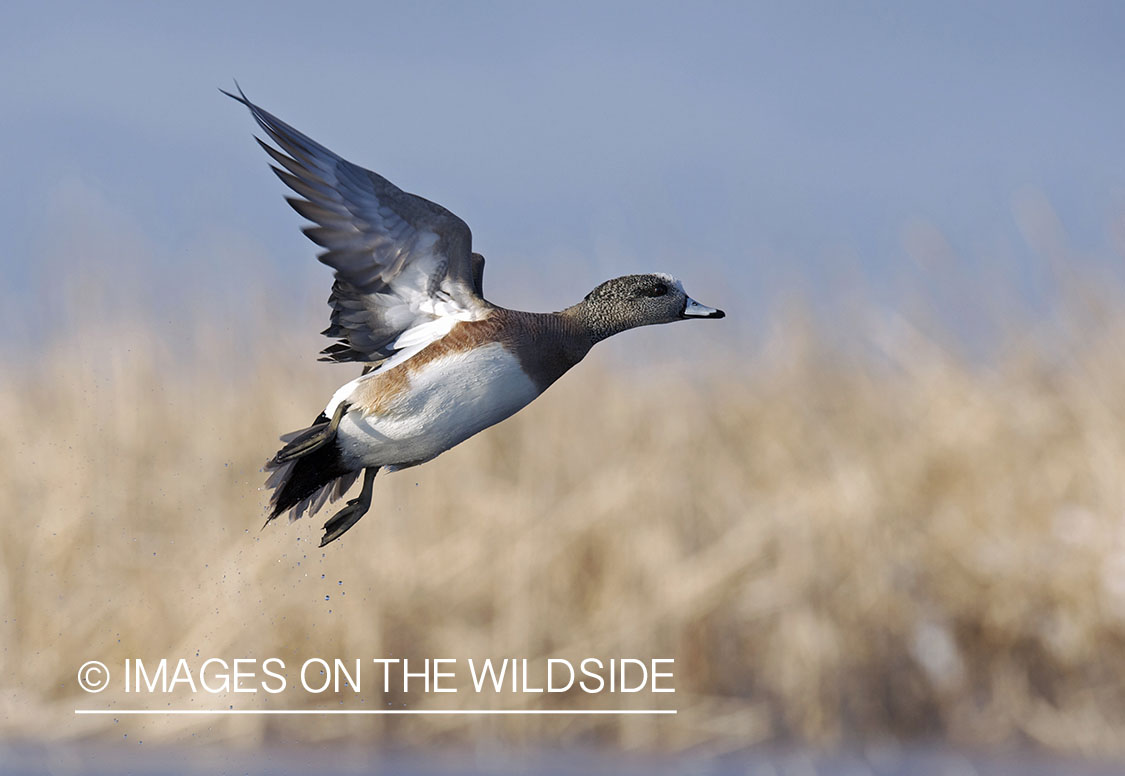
[313, 440]
[356, 508]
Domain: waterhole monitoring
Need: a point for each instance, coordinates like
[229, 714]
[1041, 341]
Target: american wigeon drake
[440, 362]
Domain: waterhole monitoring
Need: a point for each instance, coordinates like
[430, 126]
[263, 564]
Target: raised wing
[405, 271]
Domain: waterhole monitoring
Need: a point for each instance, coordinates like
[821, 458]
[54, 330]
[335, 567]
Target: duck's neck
[548, 344]
[592, 320]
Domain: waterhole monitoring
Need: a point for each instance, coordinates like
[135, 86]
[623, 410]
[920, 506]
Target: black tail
[306, 483]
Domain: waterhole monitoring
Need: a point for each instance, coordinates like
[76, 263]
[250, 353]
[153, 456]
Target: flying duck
[440, 363]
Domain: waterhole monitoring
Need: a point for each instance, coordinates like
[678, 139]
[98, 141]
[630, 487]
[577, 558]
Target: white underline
[464, 712]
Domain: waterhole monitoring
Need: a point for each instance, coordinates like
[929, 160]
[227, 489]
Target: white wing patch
[414, 339]
[423, 334]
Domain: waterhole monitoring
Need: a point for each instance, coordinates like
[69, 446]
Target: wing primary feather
[315, 211]
[330, 236]
[404, 265]
[292, 165]
[308, 190]
[292, 141]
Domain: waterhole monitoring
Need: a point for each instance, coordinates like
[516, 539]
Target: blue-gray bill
[693, 309]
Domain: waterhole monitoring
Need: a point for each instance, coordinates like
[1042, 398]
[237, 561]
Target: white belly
[448, 401]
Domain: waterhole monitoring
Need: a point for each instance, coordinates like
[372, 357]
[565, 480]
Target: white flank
[448, 401]
[418, 337]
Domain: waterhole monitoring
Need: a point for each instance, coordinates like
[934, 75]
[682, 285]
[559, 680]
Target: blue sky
[745, 147]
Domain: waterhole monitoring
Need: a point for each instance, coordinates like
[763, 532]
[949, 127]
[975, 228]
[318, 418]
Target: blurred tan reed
[890, 543]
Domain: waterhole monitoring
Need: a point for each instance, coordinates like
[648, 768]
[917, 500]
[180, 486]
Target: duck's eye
[658, 290]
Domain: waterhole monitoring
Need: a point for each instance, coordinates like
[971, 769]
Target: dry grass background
[890, 543]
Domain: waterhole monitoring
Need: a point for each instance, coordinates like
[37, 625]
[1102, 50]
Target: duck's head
[638, 300]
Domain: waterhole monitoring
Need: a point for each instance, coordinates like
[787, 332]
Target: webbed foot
[340, 522]
[315, 438]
